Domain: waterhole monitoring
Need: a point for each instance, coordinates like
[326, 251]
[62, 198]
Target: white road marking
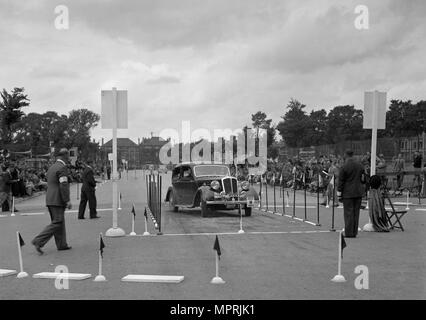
[232, 233]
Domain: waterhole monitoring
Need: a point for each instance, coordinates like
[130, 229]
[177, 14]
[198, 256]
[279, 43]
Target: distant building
[149, 150]
[146, 152]
[126, 150]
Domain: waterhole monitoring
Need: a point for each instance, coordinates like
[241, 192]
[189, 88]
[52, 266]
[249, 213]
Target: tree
[295, 125]
[10, 111]
[80, 122]
[318, 127]
[345, 123]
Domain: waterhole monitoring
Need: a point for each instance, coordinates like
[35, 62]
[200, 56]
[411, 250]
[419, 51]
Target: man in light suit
[351, 187]
[88, 192]
[57, 200]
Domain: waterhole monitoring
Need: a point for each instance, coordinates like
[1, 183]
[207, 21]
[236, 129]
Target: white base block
[217, 280]
[6, 272]
[12, 215]
[22, 274]
[132, 233]
[368, 227]
[99, 278]
[402, 203]
[338, 278]
[241, 231]
[146, 233]
[115, 232]
[62, 275]
[152, 278]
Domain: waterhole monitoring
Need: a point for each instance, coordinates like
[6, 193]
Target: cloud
[213, 62]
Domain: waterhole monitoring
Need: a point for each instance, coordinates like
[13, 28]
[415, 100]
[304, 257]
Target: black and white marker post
[294, 192]
[304, 193]
[133, 233]
[318, 202]
[100, 277]
[217, 279]
[146, 233]
[275, 203]
[332, 210]
[22, 273]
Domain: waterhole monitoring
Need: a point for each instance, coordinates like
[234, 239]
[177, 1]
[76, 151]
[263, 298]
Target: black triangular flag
[343, 243]
[101, 246]
[133, 211]
[217, 247]
[145, 214]
[21, 241]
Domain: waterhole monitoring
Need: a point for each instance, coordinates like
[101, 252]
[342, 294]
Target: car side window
[186, 173]
[176, 174]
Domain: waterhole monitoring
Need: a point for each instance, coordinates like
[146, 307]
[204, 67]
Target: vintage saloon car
[209, 186]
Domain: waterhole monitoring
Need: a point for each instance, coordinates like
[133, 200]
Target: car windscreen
[201, 171]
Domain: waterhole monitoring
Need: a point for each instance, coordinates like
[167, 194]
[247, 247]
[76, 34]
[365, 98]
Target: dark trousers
[87, 195]
[351, 207]
[55, 229]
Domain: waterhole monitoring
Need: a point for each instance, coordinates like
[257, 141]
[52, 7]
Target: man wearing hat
[57, 200]
[350, 188]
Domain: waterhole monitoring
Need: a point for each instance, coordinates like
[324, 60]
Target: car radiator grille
[230, 185]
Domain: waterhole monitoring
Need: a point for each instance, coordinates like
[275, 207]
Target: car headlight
[245, 185]
[215, 185]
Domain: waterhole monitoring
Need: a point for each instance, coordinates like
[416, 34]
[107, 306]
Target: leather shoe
[65, 248]
[38, 248]
[82, 218]
[95, 217]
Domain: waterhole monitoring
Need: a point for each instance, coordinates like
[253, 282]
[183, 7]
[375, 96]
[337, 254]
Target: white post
[287, 204]
[241, 220]
[326, 199]
[369, 225]
[115, 231]
[22, 273]
[408, 199]
[339, 277]
[133, 233]
[13, 207]
[146, 233]
[368, 197]
[217, 279]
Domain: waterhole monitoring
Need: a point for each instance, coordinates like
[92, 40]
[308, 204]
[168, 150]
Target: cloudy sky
[212, 62]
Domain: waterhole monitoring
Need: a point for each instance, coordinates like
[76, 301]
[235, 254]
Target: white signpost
[374, 118]
[114, 116]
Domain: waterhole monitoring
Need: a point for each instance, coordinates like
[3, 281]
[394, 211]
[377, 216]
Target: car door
[187, 185]
[177, 185]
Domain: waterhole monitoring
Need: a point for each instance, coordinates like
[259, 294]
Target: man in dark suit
[88, 192]
[351, 189]
[57, 200]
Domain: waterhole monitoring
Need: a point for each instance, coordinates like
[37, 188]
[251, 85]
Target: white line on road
[232, 233]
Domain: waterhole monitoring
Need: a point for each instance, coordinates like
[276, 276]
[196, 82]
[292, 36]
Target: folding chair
[394, 216]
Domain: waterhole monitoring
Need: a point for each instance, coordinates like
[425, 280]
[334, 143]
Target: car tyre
[247, 211]
[172, 203]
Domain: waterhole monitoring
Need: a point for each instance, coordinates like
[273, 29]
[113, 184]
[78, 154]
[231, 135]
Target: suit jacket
[350, 182]
[58, 189]
[89, 182]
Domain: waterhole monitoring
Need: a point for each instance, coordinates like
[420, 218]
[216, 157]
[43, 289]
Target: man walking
[88, 192]
[350, 188]
[57, 200]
